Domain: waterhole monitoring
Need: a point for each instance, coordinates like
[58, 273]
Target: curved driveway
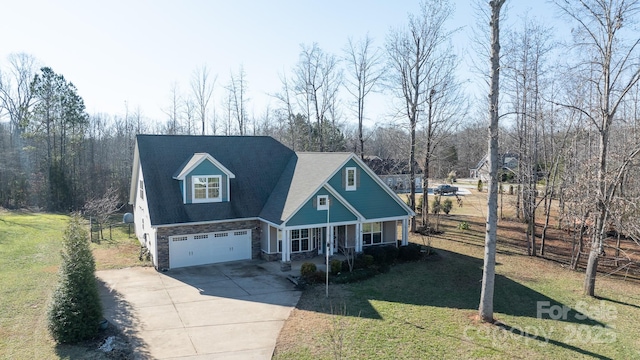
[223, 311]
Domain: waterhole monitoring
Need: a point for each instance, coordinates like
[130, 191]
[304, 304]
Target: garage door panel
[210, 248]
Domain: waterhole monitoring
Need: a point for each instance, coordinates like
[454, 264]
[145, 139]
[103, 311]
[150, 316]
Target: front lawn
[428, 310]
[30, 246]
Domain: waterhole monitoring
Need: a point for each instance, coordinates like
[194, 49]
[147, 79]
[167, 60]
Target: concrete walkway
[224, 311]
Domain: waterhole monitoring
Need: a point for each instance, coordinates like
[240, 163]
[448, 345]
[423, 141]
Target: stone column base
[285, 265]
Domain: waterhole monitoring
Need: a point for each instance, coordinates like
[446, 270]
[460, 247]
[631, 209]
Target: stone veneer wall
[294, 256]
[163, 234]
[304, 255]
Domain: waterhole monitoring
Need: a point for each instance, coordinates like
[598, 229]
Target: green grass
[30, 247]
[428, 310]
[29, 256]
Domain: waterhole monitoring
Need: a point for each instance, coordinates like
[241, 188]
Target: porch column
[405, 231]
[269, 240]
[331, 239]
[358, 237]
[286, 252]
[327, 239]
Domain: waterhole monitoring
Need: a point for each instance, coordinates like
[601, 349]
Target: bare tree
[16, 95]
[286, 111]
[485, 308]
[607, 45]
[317, 81]
[173, 111]
[202, 86]
[237, 95]
[416, 55]
[365, 69]
[101, 208]
[526, 72]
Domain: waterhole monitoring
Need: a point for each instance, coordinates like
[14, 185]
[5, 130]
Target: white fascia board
[343, 201]
[196, 160]
[134, 174]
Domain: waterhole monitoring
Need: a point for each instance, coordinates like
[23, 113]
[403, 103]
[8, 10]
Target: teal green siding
[207, 168]
[369, 198]
[308, 214]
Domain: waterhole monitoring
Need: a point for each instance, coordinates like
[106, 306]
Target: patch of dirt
[117, 347]
[304, 326]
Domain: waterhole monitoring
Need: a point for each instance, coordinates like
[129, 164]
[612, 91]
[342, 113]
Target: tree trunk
[412, 175]
[488, 275]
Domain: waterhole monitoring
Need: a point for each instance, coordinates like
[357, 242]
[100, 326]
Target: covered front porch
[305, 242]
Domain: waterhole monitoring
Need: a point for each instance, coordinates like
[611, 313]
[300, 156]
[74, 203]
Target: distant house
[208, 199]
[395, 173]
[508, 163]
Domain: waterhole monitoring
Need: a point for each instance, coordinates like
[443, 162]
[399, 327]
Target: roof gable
[305, 175]
[372, 199]
[195, 161]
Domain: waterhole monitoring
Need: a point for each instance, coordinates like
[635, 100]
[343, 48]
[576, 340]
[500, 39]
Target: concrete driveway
[223, 311]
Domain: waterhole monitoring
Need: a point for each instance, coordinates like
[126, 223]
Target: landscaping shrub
[463, 225]
[410, 252]
[355, 276]
[447, 205]
[479, 185]
[317, 277]
[377, 252]
[75, 310]
[391, 254]
[368, 260]
[336, 266]
[435, 205]
[386, 254]
[307, 269]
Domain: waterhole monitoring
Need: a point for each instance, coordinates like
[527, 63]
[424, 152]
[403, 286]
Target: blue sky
[132, 51]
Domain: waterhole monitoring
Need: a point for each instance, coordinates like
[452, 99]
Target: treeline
[55, 156]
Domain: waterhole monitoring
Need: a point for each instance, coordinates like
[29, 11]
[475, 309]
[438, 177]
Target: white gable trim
[196, 160]
[135, 169]
[333, 193]
[344, 202]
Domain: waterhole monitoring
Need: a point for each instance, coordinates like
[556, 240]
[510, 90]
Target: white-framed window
[323, 202]
[300, 240]
[207, 188]
[279, 240]
[350, 179]
[141, 189]
[372, 233]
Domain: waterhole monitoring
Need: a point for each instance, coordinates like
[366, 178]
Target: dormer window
[350, 179]
[207, 189]
[203, 179]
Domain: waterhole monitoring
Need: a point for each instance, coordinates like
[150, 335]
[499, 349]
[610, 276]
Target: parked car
[445, 189]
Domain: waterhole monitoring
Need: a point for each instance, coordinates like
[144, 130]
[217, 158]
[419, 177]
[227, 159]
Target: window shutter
[344, 178]
[358, 173]
[315, 202]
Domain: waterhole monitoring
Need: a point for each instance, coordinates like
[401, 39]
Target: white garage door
[210, 248]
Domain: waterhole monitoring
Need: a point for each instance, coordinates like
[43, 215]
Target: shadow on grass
[454, 281]
[546, 340]
[617, 302]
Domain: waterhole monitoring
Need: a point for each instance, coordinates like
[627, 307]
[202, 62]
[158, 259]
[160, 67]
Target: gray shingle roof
[258, 163]
[305, 173]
